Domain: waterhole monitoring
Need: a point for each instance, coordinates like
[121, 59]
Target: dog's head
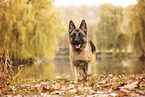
[78, 36]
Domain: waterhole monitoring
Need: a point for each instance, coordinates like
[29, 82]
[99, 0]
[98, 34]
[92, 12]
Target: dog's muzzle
[77, 43]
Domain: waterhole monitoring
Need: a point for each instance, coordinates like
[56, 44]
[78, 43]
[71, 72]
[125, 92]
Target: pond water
[61, 67]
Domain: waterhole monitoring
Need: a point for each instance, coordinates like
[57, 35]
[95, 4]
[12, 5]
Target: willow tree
[122, 41]
[108, 26]
[47, 29]
[30, 29]
[7, 25]
[137, 27]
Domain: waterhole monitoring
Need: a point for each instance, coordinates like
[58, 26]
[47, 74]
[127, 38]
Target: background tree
[122, 41]
[137, 27]
[109, 27]
[30, 29]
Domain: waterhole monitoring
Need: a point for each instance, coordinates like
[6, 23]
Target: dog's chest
[85, 55]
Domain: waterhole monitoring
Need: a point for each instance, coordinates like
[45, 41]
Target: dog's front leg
[74, 68]
[90, 66]
[89, 72]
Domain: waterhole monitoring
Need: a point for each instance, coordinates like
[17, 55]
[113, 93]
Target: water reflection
[118, 66]
[42, 70]
[61, 67]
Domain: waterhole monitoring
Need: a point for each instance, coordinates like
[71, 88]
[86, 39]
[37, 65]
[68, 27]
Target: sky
[123, 3]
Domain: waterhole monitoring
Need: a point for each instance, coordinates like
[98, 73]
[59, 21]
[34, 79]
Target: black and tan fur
[82, 50]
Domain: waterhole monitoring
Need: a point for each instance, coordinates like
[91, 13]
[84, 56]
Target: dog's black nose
[76, 41]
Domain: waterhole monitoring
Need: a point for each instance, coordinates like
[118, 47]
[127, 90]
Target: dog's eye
[74, 35]
[81, 35]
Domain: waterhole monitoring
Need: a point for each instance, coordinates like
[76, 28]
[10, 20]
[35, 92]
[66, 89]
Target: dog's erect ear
[71, 26]
[83, 26]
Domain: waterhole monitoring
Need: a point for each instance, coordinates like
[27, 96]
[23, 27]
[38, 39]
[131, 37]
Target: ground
[100, 85]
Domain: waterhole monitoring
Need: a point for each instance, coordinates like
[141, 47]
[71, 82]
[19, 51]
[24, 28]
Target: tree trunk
[142, 57]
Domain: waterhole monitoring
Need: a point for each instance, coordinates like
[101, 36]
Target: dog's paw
[88, 75]
[85, 77]
[75, 81]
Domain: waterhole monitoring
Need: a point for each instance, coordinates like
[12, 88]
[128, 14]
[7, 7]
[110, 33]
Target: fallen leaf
[105, 86]
[73, 91]
[122, 94]
[141, 92]
[100, 92]
[113, 94]
[102, 82]
[58, 77]
[37, 85]
[111, 75]
[71, 86]
[47, 89]
[124, 90]
[1, 86]
[91, 92]
[4, 90]
[43, 94]
[57, 86]
[118, 86]
[131, 86]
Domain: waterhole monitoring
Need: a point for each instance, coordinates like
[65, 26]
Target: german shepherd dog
[82, 50]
